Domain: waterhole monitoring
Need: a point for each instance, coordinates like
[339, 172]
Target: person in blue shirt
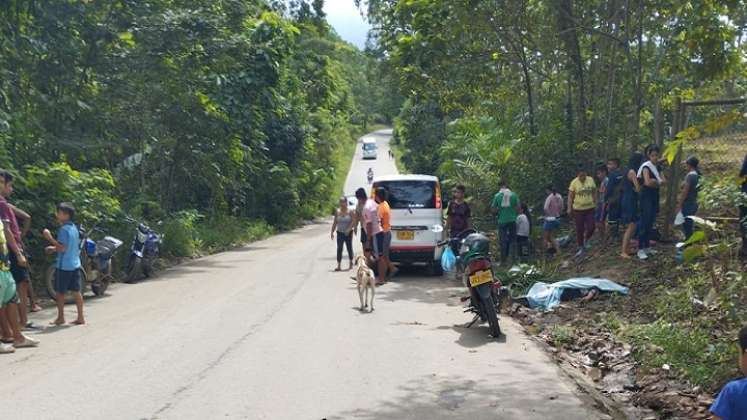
[731, 403]
[613, 195]
[67, 267]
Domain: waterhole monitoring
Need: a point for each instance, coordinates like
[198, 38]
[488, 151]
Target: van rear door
[416, 208]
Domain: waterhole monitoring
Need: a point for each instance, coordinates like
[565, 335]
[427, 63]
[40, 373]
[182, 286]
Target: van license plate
[480, 277]
[405, 235]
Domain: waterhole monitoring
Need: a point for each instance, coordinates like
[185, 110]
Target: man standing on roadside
[371, 225]
[383, 239]
[505, 205]
[458, 213]
[361, 199]
[613, 195]
[16, 256]
[24, 219]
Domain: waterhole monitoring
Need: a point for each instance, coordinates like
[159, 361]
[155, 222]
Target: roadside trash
[448, 260]
[547, 296]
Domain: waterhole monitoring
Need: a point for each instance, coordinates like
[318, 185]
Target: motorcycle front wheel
[134, 270]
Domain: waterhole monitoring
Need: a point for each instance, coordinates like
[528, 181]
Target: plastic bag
[448, 260]
[679, 219]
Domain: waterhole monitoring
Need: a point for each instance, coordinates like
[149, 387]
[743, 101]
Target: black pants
[507, 235]
[522, 246]
[346, 239]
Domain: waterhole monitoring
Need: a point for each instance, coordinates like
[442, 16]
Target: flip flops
[27, 342]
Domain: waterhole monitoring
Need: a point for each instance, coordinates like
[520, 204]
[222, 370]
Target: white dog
[366, 280]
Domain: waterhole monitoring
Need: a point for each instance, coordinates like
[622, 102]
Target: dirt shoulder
[662, 351]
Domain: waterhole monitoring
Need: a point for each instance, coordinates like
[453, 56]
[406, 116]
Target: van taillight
[438, 195]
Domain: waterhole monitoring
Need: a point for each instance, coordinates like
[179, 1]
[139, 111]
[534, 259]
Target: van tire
[435, 269]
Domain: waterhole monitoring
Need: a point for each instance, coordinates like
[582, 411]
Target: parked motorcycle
[97, 261]
[475, 269]
[370, 175]
[143, 253]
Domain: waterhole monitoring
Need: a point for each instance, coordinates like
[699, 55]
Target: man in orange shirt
[384, 237]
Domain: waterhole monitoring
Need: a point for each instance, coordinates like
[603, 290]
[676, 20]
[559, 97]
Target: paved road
[268, 331]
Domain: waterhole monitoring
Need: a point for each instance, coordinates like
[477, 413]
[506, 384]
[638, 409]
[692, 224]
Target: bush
[223, 232]
[92, 193]
[180, 234]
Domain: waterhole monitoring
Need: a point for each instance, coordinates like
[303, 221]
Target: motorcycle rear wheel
[490, 312]
[99, 285]
[148, 266]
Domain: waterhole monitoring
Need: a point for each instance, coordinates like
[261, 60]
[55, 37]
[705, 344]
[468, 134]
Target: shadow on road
[412, 285]
[447, 397]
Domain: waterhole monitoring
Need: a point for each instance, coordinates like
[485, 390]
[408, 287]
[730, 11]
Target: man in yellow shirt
[582, 200]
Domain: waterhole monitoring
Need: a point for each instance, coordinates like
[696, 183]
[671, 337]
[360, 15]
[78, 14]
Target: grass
[562, 335]
[226, 232]
[398, 151]
[690, 350]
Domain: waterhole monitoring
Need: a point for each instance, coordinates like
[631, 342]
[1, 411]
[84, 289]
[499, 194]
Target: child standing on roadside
[731, 403]
[553, 208]
[523, 231]
[67, 272]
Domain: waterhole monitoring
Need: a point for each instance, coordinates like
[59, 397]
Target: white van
[369, 148]
[417, 218]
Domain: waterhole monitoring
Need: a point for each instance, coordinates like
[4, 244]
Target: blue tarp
[547, 296]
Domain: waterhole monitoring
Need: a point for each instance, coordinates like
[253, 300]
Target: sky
[347, 21]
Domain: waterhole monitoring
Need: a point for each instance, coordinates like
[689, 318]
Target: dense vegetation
[538, 86]
[528, 89]
[224, 119]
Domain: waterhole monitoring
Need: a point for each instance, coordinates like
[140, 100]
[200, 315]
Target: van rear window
[410, 194]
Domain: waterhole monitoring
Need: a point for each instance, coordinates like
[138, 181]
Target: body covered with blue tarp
[547, 296]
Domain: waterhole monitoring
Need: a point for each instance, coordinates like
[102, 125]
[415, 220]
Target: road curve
[269, 331]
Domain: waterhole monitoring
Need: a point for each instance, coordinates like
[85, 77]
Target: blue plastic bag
[448, 260]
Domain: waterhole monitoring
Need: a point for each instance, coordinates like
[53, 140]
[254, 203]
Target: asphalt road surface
[269, 331]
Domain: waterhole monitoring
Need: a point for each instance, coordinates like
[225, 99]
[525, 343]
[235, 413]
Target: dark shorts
[383, 242]
[66, 281]
[551, 225]
[600, 213]
[20, 274]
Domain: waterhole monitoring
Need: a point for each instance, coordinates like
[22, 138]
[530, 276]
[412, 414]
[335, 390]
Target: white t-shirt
[522, 225]
[371, 215]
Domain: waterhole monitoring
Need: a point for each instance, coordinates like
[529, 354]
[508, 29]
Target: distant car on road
[417, 219]
[369, 148]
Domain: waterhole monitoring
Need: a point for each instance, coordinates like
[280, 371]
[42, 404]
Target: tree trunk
[658, 124]
[569, 35]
